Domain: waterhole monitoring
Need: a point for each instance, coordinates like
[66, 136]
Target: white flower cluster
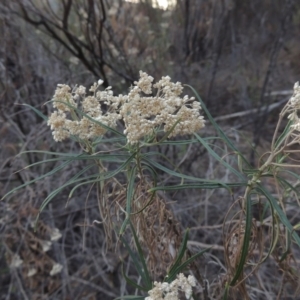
[295, 99]
[83, 127]
[55, 234]
[294, 103]
[56, 269]
[170, 291]
[16, 261]
[141, 112]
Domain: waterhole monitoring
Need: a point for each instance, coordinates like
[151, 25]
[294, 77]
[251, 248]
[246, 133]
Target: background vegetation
[242, 57]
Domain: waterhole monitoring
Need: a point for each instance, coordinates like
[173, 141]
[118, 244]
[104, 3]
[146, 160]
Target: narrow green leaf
[283, 135]
[227, 286]
[181, 267]
[218, 158]
[288, 247]
[36, 111]
[108, 174]
[130, 189]
[108, 156]
[152, 171]
[176, 174]
[165, 136]
[132, 283]
[217, 127]
[55, 170]
[280, 213]
[246, 241]
[130, 298]
[50, 153]
[181, 251]
[133, 257]
[179, 143]
[108, 140]
[129, 197]
[43, 162]
[69, 182]
[147, 277]
[208, 186]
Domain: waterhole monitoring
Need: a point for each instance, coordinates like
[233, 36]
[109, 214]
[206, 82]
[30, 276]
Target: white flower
[55, 234]
[81, 90]
[46, 245]
[16, 261]
[170, 291]
[192, 280]
[57, 122]
[56, 269]
[91, 106]
[63, 96]
[100, 82]
[31, 272]
[295, 99]
[74, 60]
[294, 106]
[145, 83]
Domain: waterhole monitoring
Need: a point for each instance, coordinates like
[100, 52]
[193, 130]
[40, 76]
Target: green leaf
[208, 186]
[218, 158]
[108, 174]
[104, 157]
[55, 170]
[280, 213]
[284, 134]
[36, 111]
[225, 296]
[181, 251]
[132, 282]
[58, 190]
[130, 188]
[166, 135]
[130, 298]
[138, 260]
[217, 127]
[176, 174]
[288, 247]
[246, 241]
[181, 267]
[134, 259]
[142, 259]
[178, 266]
[108, 141]
[129, 196]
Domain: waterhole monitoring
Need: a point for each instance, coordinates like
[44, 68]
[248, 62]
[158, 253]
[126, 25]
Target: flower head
[16, 261]
[143, 114]
[170, 291]
[294, 106]
[65, 122]
[145, 83]
[295, 99]
[56, 269]
[62, 97]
